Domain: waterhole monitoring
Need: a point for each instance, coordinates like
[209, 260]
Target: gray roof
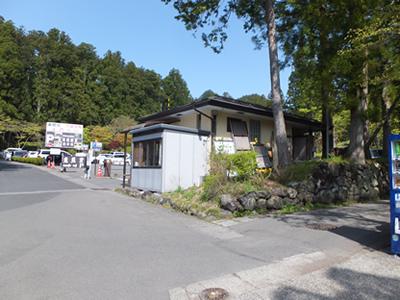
[169, 116]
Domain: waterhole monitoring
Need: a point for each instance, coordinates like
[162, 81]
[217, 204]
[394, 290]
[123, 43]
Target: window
[147, 154]
[228, 125]
[255, 130]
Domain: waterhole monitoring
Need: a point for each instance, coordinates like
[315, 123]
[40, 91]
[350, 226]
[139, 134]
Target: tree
[207, 94]
[258, 17]
[256, 99]
[120, 137]
[102, 134]
[15, 71]
[175, 88]
[379, 39]
[114, 145]
[226, 95]
[120, 123]
[112, 86]
[23, 131]
[312, 33]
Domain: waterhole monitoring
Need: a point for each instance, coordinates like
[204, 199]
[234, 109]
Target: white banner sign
[61, 135]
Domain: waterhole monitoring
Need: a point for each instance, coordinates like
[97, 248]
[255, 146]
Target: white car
[34, 154]
[44, 153]
[118, 159]
[101, 157]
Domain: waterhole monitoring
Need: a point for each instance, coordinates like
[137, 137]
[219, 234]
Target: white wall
[184, 160]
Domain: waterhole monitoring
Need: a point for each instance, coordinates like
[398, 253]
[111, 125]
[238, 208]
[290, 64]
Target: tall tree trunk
[364, 99]
[283, 154]
[385, 116]
[327, 133]
[382, 123]
[356, 151]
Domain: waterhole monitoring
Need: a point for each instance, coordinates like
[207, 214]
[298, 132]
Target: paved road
[64, 237]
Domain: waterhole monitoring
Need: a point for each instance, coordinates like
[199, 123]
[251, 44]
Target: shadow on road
[12, 166]
[344, 284]
[364, 223]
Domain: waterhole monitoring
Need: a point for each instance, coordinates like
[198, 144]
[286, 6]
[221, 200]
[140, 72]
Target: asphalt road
[64, 238]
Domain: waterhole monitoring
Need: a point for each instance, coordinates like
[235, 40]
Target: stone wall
[329, 183]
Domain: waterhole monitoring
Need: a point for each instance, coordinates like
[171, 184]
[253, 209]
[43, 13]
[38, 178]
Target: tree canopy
[344, 57]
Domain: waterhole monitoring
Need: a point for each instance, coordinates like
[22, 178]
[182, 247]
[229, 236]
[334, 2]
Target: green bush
[244, 164]
[29, 160]
[229, 174]
[212, 187]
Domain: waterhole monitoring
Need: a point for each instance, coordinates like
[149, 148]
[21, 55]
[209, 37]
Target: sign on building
[74, 162]
[61, 135]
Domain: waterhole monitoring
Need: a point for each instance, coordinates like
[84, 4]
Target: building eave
[172, 115]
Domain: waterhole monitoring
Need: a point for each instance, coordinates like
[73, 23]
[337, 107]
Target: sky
[146, 33]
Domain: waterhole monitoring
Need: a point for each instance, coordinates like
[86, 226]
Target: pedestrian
[87, 173]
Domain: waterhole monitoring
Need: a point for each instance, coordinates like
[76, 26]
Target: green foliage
[175, 89]
[102, 134]
[23, 131]
[289, 209]
[213, 212]
[298, 171]
[45, 77]
[212, 187]
[229, 174]
[207, 94]
[29, 160]
[257, 99]
[244, 164]
[314, 206]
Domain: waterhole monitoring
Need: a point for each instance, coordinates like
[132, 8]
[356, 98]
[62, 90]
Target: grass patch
[289, 209]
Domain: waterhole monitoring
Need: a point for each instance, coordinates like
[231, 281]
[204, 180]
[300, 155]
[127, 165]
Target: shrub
[29, 160]
[212, 187]
[244, 164]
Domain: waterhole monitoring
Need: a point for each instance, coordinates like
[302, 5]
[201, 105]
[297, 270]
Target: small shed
[166, 157]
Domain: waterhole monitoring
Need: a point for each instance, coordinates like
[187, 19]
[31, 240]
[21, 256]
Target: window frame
[147, 154]
[228, 123]
[255, 130]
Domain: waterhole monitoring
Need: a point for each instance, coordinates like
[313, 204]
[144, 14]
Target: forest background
[44, 77]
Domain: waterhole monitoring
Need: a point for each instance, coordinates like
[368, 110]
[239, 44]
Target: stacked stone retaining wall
[329, 183]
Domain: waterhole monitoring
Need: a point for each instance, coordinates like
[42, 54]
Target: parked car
[33, 154]
[8, 153]
[20, 153]
[44, 153]
[118, 159]
[100, 158]
[117, 153]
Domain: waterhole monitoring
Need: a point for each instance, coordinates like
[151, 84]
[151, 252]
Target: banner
[61, 135]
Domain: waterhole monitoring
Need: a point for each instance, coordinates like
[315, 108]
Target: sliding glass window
[147, 154]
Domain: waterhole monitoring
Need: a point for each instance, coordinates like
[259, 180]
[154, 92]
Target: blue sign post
[394, 176]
